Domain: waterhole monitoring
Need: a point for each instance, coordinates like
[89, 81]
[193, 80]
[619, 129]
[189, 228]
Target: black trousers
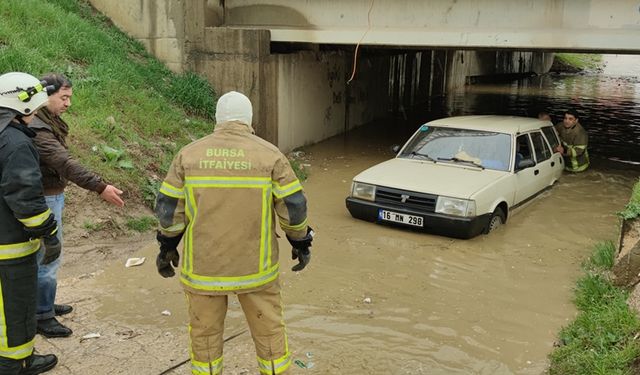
[19, 286]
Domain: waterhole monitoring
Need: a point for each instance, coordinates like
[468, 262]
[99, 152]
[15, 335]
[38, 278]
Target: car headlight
[456, 207]
[363, 191]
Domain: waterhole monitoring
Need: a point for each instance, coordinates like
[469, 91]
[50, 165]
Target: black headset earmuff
[26, 94]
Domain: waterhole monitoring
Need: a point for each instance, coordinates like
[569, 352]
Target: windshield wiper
[458, 160]
[414, 153]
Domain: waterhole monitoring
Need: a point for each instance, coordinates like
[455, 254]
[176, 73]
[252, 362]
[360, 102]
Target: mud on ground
[136, 334]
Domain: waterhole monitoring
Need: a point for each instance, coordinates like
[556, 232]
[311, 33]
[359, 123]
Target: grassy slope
[580, 61]
[130, 114]
[603, 338]
[632, 209]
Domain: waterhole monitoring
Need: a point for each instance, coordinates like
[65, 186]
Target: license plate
[416, 221]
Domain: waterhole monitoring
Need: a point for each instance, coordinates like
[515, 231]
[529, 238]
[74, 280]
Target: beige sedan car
[460, 176]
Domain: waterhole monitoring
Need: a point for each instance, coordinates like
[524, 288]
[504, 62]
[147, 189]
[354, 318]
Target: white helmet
[22, 92]
[234, 106]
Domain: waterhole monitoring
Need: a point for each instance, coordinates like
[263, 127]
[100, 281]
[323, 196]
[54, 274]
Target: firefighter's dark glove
[52, 248]
[168, 254]
[300, 250]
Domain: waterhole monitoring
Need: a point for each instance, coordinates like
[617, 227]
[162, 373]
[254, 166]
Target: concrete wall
[315, 102]
[158, 24]
[311, 97]
[240, 60]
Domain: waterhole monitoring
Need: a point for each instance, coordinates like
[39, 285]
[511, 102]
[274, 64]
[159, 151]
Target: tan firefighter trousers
[263, 311]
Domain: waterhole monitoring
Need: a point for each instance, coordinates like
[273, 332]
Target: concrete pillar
[439, 73]
[425, 77]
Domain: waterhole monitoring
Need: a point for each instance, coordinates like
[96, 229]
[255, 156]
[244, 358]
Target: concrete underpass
[295, 60]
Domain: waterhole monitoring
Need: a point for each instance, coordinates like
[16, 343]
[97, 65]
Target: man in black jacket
[24, 219]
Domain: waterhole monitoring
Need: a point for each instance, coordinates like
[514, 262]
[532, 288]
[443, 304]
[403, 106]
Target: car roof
[494, 123]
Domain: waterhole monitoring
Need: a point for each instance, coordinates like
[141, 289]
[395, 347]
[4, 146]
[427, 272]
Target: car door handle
[536, 172]
[553, 163]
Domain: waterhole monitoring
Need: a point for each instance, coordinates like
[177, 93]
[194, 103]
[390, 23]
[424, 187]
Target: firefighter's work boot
[37, 364]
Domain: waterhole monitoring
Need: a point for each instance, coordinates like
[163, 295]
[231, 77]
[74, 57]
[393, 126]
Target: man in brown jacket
[225, 193]
[58, 167]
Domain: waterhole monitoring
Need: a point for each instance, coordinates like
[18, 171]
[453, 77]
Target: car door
[527, 179]
[554, 141]
[550, 133]
[545, 166]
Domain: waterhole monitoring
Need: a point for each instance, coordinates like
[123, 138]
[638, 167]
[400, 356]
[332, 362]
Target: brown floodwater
[383, 300]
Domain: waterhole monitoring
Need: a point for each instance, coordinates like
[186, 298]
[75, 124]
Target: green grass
[90, 226]
[580, 60]
[603, 257]
[125, 101]
[130, 114]
[141, 224]
[299, 169]
[632, 209]
[602, 338]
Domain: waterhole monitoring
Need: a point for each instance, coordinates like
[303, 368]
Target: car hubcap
[496, 221]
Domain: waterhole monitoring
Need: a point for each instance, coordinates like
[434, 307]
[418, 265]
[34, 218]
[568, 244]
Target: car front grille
[406, 199]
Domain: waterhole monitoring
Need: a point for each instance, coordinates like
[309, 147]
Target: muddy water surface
[490, 305]
[382, 300]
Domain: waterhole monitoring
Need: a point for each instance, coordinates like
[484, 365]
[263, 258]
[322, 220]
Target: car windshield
[482, 149]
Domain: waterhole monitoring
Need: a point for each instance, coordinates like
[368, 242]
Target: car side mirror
[395, 149]
[525, 163]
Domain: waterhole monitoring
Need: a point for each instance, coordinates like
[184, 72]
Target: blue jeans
[48, 273]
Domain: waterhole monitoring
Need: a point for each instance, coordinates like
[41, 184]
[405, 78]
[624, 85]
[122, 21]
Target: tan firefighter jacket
[226, 192]
[575, 141]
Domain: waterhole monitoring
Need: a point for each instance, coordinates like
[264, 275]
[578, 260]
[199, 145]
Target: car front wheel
[496, 220]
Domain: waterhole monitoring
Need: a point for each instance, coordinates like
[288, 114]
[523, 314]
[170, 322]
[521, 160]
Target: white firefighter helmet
[22, 92]
[234, 106]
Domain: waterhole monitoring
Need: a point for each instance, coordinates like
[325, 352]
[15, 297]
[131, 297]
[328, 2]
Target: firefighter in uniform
[574, 140]
[24, 219]
[225, 193]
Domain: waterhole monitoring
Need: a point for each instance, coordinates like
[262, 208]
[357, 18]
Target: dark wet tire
[496, 221]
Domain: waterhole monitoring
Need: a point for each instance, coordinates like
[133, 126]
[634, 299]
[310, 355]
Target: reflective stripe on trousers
[202, 368]
[274, 366]
[18, 288]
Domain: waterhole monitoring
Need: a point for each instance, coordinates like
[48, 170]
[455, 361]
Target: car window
[551, 136]
[540, 147]
[490, 150]
[523, 149]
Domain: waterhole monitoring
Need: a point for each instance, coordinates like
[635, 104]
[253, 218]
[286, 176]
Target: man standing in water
[574, 140]
[544, 116]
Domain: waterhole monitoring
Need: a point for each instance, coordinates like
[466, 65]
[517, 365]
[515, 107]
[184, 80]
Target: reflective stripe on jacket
[226, 192]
